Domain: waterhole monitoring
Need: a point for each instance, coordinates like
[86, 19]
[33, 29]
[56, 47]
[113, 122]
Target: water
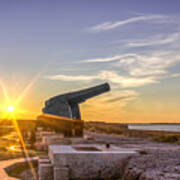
[158, 127]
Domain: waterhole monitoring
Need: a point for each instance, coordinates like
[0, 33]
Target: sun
[10, 109]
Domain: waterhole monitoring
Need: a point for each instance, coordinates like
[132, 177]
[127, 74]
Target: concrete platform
[87, 161]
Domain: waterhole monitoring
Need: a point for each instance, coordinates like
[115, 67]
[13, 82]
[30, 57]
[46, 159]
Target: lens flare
[10, 111]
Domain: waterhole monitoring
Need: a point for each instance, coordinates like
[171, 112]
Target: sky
[52, 47]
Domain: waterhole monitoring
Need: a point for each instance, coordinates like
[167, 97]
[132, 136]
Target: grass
[167, 139]
[143, 152]
[105, 128]
[17, 169]
[158, 136]
[6, 155]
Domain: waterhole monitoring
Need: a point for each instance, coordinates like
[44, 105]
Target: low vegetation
[122, 130]
[106, 128]
[168, 139]
[6, 154]
[143, 152]
[21, 170]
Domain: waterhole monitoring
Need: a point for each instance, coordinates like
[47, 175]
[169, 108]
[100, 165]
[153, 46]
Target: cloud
[146, 65]
[139, 70]
[112, 25]
[125, 81]
[156, 40]
[70, 78]
[111, 76]
[108, 59]
[137, 65]
[115, 101]
[175, 75]
[124, 96]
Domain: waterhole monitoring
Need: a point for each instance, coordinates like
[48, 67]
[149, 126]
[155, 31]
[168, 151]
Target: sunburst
[10, 109]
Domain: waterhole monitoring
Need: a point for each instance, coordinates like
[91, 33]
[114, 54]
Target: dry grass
[168, 139]
[122, 130]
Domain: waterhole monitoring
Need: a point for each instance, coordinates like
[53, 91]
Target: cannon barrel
[67, 105]
[81, 96]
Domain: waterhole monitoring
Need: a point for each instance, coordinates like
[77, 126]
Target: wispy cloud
[124, 96]
[108, 59]
[111, 76]
[115, 101]
[175, 75]
[140, 70]
[141, 65]
[125, 81]
[156, 40]
[146, 65]
[111, 25]
[71, 78]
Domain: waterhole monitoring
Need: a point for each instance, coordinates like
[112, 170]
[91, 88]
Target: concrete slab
[87, 160]
[61, 149]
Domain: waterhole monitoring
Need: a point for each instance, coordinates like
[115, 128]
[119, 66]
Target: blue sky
[133, 45]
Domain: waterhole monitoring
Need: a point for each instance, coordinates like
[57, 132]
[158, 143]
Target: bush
[169, 139]
[143, 152]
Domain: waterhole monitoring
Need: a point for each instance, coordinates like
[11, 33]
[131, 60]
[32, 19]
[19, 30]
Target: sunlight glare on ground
[11, 148]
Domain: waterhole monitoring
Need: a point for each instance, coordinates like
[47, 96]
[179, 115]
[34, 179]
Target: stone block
[88, 161]
[45, 171]
[61, 173]
[43, 161]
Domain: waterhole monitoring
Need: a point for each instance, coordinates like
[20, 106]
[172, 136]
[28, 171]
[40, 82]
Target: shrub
[170, 138]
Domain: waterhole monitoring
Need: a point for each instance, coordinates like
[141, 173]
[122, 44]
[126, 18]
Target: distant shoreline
[155, 127]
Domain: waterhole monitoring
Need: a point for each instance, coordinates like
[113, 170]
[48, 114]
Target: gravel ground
[154, 165]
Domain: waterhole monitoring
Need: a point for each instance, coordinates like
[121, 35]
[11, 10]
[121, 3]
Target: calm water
[158, 127]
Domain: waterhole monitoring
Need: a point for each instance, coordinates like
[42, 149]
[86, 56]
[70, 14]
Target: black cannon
[67, 105]
[62, 112]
